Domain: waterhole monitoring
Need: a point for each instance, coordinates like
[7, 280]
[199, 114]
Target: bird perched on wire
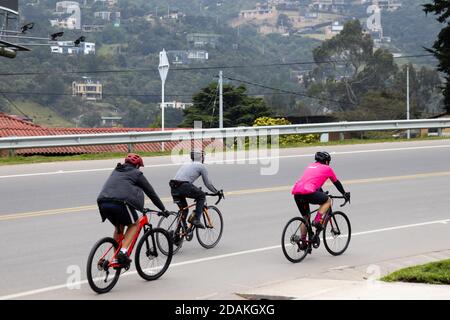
[56, 35]
[27, 27]
[79, 40]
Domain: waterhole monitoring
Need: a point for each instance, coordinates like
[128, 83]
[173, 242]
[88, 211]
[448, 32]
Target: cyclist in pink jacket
[308, 190]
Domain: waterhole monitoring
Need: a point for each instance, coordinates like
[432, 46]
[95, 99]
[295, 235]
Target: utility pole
[220, 99]
[407, 99]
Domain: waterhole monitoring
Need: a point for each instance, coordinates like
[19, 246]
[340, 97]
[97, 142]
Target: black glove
[347, 196]
[165, 213]
[220, 193]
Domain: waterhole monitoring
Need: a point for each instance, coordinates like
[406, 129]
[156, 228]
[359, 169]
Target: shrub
[286, 139]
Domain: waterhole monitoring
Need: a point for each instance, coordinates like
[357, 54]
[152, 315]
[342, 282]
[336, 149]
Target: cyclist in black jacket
[121, 196]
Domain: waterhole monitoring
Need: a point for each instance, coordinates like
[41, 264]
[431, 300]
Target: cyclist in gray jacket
[182, 186]
[122, 196]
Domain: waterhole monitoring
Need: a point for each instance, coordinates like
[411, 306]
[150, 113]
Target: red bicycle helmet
[134, 159]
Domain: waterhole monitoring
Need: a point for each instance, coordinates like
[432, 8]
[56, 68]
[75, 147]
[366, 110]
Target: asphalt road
[49, 222]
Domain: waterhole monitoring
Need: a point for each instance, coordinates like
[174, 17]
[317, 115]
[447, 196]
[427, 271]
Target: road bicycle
[103, 270]
[179, 229]
[336, 234]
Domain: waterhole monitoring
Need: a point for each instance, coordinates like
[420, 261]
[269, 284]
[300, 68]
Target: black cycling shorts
[119, 214]
[303, 201]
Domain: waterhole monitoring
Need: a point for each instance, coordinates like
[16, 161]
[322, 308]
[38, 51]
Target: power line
[119, 94]
[104, 94]
[280, 64]
[284, 91]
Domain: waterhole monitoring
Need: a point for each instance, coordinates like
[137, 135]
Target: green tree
[284, 21]
[441, 47]
[239, 108]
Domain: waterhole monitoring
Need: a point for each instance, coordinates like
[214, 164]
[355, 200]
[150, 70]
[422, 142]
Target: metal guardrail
[12, 143]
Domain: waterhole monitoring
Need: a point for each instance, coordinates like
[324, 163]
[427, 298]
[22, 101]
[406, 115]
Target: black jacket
[126, 183]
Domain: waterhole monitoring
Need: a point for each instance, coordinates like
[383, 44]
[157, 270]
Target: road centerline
[50, 212]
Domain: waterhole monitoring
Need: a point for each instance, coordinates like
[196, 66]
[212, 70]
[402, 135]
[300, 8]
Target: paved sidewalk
[357, 282]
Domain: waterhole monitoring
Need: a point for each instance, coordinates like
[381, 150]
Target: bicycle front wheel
[213, 222]
[337, 233]
[151, 262]
[291, 240]
[101, 277]
[170, 224]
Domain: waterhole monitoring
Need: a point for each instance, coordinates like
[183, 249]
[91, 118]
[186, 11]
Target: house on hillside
[262, 11]
[88, 89]
[177, 105]
[110, 16]
[68, 47]
[187, 56]
[69, 15]
[203, 39]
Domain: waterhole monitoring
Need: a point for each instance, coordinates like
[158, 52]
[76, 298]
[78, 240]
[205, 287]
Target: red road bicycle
[103, 271]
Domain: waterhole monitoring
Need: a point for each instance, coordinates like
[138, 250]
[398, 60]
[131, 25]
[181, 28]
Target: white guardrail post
[132, 138]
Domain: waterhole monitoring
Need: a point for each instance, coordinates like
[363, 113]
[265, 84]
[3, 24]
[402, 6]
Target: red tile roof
[11, 126]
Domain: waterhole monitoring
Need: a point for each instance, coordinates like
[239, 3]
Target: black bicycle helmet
[323, 157]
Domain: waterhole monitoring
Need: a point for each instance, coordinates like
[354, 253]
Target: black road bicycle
[336, 230]
[180, 229]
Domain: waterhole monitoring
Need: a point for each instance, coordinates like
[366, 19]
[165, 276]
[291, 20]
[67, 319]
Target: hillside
[129, 50]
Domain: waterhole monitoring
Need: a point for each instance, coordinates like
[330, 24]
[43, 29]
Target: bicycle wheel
[213, 222]
[151, 263]
[170, 224]
[98, 271]
[337, 233]
[290, 240]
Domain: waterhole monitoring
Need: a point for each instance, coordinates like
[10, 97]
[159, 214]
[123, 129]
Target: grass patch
[431, 273]
[361, 141]
[43, 116]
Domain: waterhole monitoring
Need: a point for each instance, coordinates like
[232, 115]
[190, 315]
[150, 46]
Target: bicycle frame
[327, 216]
[181, 220]
[143, 223]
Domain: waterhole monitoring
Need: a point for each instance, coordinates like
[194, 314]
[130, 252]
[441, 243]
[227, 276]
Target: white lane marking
[226, 161]
[222, 256]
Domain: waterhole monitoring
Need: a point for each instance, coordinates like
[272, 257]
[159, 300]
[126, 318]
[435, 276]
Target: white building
[68, 47]
[201, 55]
[336, 27]
[177, 105]
[261, 11]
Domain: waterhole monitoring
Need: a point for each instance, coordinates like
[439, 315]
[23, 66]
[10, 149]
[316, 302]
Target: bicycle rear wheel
[170, 224]
[337, 233]
[213, 222]
[290, 240]
[151, 263]
[98, 271]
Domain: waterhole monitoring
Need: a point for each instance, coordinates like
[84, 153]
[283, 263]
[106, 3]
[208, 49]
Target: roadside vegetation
[430, 273]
